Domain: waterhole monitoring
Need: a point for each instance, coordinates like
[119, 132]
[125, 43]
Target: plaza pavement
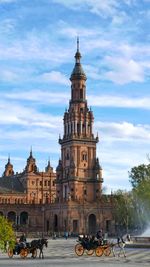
[60, 253]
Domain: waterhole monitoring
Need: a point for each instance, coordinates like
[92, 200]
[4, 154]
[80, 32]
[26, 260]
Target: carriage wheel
[107, 251]
[90, 252]
[99, 251]
[23, 253]
[79, 250]
[34, 253]
[10, 252]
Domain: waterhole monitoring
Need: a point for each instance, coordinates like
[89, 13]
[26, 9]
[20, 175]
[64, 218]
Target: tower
[8, 169]
[31, 163]
[79, 174]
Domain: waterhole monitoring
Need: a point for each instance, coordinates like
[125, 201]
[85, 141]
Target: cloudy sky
[37, 47]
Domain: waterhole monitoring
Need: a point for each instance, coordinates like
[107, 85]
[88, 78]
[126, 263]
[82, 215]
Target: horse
[121, 243]
[39, 244]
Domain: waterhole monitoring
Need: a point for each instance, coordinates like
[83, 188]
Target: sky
[37, 48]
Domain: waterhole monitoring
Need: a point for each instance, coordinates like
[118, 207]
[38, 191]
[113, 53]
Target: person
[66, 235]
[99, 236]
[23, 238]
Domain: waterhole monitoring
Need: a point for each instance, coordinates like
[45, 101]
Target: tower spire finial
[31, 151]
[77, 43]
[8, 158]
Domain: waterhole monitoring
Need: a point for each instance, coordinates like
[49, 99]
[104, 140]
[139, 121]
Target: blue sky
[37, 47]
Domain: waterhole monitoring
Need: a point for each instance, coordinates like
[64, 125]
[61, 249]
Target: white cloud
[120, 101]
[124, 131]
[72, 32]
[26, 116]
[50, 97]
[122, 146]
[93, 72]
[56, 77]
[8, 76]
[40, 96]
[7, 25]
[31, 48]
[124, 70]
[101, 8]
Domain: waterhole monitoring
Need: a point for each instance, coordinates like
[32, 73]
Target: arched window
[84, 156]
[81, 93]
[24, 217]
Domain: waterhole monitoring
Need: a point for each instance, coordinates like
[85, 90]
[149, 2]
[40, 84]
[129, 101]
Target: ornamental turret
[8, 169]
[48, 167]
[31, 163]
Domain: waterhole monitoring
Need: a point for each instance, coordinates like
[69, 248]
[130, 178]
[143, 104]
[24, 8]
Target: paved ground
[61, 253]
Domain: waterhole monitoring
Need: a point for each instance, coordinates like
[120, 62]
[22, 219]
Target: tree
[139, 174]
[124, 211]
[140, 180]
[6, 234]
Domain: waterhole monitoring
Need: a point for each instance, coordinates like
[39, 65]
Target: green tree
[124, 211]
[6, 234]
[139, 174]
[139, 177]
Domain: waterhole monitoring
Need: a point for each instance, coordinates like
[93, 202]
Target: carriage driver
[23, 239]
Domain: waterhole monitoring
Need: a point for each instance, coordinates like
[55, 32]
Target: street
[60, 252]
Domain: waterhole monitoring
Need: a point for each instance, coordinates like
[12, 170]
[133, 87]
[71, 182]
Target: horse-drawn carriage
[101, 246]
[25, 248]
[91, 245]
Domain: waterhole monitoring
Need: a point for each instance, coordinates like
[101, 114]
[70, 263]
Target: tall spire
[31, 152]
[77, 55]
[78, 72]
[77, 44]
[8, 158]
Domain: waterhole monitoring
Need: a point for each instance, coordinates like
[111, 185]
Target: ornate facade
[72, 198]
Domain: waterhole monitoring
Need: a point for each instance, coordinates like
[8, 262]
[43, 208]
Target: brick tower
[79, 174]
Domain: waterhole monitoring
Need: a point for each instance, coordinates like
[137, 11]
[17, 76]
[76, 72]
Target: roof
[11, 184]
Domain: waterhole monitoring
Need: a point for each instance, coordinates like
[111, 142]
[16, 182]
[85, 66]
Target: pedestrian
[66, 235]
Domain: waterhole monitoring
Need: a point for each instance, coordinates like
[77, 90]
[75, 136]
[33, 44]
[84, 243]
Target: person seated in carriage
[23, 240]
[100, 237]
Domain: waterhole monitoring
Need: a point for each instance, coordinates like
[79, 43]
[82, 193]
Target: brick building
[70, 199]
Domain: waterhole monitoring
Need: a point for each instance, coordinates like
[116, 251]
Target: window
[81, 93]
[67, 155]
[84, 156]
[84, 191]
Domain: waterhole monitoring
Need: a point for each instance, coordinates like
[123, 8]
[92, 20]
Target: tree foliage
[140, 180]
[139, 174]
[124, 211]
[7, 234]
